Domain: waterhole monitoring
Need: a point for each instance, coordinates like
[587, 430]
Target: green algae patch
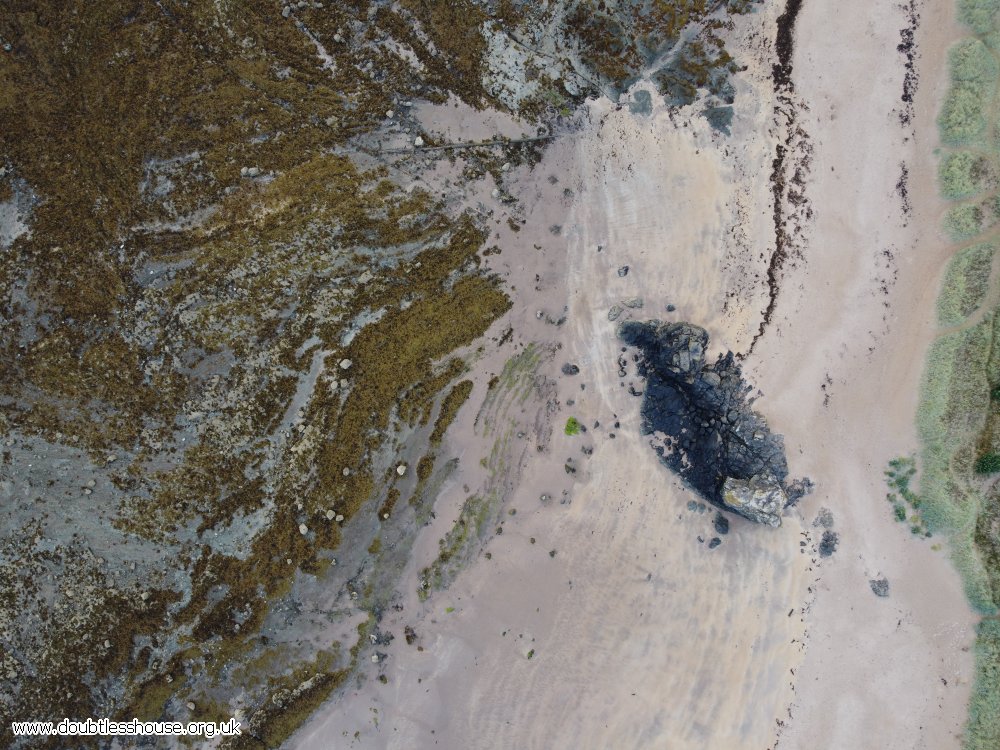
[572, 426]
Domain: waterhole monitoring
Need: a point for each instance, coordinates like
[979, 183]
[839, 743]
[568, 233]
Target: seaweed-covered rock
[702, 426]
[880, 586]
[828, 544]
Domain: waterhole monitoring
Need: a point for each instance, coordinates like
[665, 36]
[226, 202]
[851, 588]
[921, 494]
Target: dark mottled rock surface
[880, 586]
[721, 524]
[702, 425]
[828, 545]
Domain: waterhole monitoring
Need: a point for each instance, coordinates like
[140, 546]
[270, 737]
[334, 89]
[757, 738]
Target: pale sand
[875, 669]
[643, 637]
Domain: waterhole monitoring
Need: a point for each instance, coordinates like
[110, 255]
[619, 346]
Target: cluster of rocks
[703, 427]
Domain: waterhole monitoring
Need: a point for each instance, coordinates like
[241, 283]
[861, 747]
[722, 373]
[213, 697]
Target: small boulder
[570, 369]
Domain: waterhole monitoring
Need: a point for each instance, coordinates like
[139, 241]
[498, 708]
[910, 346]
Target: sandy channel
[638, 634]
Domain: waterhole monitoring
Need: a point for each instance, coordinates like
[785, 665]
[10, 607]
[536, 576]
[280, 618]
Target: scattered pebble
[623, 271]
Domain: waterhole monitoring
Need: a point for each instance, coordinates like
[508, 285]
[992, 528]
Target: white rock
[330, 121]
[303, 529]
[505, 167]
[385, 516]
[495, 193]
[401, 469]
[390, 114]
[338, 38]
[418, 141]
[253, 171]
[344, 383]
[345, 364]
[190, 705]
[286, 11]
[330, 515]
[374, 658]
[107, 644]
[339, 518]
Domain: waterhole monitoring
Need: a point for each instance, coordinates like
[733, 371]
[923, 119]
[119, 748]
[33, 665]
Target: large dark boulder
[701, 423]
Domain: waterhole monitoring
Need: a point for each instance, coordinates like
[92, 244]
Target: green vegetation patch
[951, 422]
[966, 283]
[983, 731]
[898, 475]
[457, 545]
[962, 174]
[572, 426]
[978, 15]
[963, 222]
[970, 60]
[962, 119]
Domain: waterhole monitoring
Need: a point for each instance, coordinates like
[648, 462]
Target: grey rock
[615, 312]
[570, 369]
[623, 271]
[759, 498]
[634, 303]
[880, 586]
[828, 544]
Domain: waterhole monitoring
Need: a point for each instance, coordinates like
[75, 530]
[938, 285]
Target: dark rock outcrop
[702, 425]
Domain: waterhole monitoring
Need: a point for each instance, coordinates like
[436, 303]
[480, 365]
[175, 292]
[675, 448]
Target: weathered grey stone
[760, 499]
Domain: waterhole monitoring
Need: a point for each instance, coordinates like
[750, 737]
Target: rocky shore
[702, 426]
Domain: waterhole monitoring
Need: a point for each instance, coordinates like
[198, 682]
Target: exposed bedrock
[703, 427]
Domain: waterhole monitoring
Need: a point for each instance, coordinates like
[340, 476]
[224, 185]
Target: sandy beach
[597, 618]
